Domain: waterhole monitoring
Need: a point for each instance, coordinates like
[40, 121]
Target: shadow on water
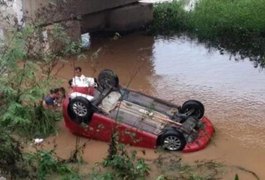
[239, 48]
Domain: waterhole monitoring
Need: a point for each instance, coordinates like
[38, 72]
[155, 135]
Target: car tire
[108, 79]
[193, 105]
[172, 140]
[80, 110]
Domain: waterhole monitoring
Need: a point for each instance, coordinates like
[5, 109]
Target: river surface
[177, 69]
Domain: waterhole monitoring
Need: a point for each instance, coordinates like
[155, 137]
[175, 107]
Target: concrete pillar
[93, 22]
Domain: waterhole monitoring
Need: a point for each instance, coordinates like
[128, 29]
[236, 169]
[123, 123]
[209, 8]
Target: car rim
[172, 143]
[80, 109]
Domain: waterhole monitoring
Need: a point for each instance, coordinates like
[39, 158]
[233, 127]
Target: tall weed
[122, 165]
[211, 18]
[169, 17]
[219, 18]
[47, 163]
[10, 155]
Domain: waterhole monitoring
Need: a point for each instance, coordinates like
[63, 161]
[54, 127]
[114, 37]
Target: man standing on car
[80, 80]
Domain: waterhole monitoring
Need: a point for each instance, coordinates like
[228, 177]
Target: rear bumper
[203, 139]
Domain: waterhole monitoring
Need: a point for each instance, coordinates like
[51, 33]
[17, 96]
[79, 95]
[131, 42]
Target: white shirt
[83, 81]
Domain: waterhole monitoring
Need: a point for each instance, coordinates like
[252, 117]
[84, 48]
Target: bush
[22, 89]
[25, 80]
[47, 163]
[122, 165]
[226, 18]
[212, 18]
[10, 155]
[169, 18]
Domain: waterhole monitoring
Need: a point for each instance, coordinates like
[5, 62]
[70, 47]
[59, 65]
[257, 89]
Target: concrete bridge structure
[80, 16]
[91, 15]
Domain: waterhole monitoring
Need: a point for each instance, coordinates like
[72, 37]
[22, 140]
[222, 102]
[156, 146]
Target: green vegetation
[124, 165]
[169, 18]
[127, 166]
[120, 164]
[24, 81]
[10, 155]
[172, 167]
[225, 19]
[23, 86]
[47, 163]
[212, 18]
[237, 26]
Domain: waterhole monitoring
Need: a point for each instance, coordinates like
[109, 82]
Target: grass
[225, 18]
[169, 18]
[211, 18]
[235, 25]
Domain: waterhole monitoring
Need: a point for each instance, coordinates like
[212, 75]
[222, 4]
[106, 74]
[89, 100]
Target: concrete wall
[48, 11]
[124, 18]
[129, 17]
[78, 16]
[94, 15]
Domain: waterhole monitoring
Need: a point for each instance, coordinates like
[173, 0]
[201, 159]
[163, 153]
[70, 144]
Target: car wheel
[193, 108]
[173, 140]
[80, 110]
[108, 79]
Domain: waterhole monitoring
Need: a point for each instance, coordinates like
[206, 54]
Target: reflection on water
[193, 64]
[232, 91]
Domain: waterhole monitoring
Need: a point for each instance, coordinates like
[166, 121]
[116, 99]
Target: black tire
[80, 110]
[172, 140]
[193, 108]
[108, 79]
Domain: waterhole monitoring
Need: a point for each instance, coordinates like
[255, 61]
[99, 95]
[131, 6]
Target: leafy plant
[24, 81]
[127, 166]
[121, 165]
[169, 18]
[22, 90]
[10, 154]
[236, 177]
[46, 163]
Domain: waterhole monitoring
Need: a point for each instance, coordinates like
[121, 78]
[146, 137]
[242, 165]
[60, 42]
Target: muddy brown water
[178, 69]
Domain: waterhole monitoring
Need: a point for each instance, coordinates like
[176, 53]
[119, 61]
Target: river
[178, 69]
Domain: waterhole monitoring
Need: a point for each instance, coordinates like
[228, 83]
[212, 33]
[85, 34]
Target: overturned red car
[139, 119]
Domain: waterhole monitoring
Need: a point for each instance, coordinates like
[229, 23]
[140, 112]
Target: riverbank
[211, 19]
[236, 26]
